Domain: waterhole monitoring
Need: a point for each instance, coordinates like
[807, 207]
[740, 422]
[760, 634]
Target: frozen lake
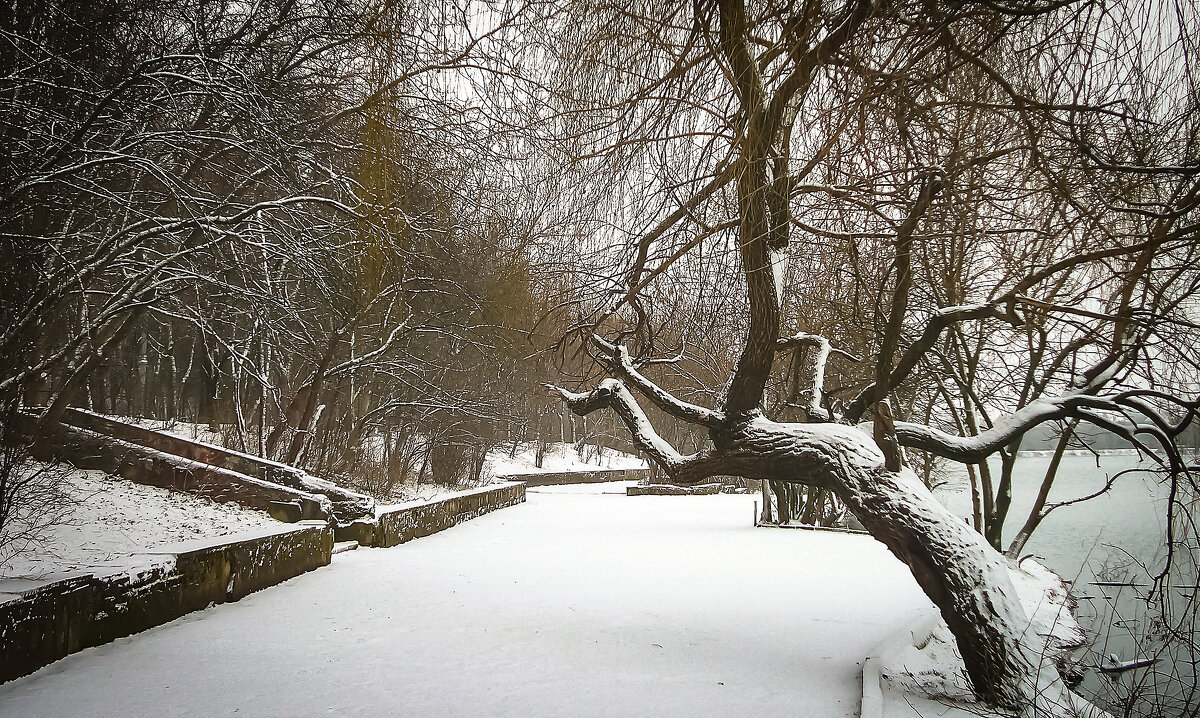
[1076, 541]
[580, 602]
[1103, 539]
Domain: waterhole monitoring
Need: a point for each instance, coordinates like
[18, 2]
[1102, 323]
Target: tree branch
[931, 186]
[1081, 405]
[823, 349]
[612, 394]
[937, 323]
[619, 361]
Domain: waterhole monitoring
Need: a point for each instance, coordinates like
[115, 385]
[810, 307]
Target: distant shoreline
[1081, 452]
[1089, 452]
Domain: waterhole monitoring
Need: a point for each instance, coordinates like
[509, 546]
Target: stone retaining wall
[672, 490]
[579, 477]
[87, 449]
[405, 522]
[47, 622]
[179, 446]
[347, 504]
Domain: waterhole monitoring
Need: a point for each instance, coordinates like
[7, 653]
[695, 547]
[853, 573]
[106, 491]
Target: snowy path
[575, 603]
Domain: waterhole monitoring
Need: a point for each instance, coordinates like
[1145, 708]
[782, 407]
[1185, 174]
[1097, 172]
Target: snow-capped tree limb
[974, 591]
[612, 394]
[1075, 405]
[617, 358]
[821, 349]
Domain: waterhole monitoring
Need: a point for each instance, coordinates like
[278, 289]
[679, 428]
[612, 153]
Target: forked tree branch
[617, 358]
[822, 349]
[911, 357]
[612, 394]
[931, 186]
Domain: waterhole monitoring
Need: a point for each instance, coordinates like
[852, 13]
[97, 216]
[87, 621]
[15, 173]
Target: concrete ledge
[46, 622]
[670, 490]
[347, 504]
[195, 450]
[579, 477]
[88, 449]
[404, 522]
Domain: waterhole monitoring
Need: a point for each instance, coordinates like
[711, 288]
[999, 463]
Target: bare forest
[831, 247]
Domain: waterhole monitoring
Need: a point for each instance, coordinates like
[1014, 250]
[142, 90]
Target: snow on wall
[347, 504]
[112, 522]
[404, 522]
[45, 622]
[91, 450]
[562, 478]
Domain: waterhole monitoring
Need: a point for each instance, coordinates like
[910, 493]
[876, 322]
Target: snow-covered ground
[559, 457]
[107, 521]
[574, 603]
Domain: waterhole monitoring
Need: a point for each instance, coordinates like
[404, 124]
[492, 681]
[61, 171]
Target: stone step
[346, 505]
[341, 546]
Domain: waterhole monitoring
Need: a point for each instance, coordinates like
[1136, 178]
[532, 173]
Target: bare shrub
[34, 498]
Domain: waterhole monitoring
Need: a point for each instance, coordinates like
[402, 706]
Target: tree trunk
[994, 527]
[784, 502]
[962, 574]
[307, 407]
[766, 516]
[1037, 512]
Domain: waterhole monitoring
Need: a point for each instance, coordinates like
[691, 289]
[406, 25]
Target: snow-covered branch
[612, 394]
[1097, 410]
[617, 358]
[821, 349]
[937, 323]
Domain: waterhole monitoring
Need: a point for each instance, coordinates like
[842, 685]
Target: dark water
[1118, 537]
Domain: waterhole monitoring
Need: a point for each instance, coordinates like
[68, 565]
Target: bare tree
[277, 217]
[841, 124]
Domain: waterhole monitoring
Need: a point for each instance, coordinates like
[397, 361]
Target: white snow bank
[557, 459]
[112, 523]
[919, 672]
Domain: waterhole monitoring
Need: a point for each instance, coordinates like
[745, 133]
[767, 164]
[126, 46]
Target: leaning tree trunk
[962, 574]
[954, 565]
